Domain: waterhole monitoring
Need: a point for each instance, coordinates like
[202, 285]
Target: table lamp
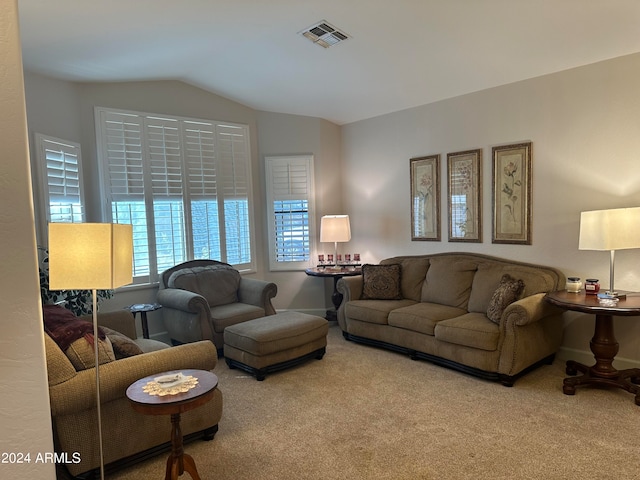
[90, 256]
[335, 228]
[615, 229]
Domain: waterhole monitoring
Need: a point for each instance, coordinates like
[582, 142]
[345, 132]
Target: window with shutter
[60, 165]
[290, 204]
[184, 184]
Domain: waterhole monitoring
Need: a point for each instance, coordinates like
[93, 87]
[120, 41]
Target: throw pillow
[381, 282]
[64, 327]
[82, 356]
[123, 346]
[507, 292]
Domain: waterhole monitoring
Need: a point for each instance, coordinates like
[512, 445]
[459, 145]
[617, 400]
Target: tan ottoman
[271, 343]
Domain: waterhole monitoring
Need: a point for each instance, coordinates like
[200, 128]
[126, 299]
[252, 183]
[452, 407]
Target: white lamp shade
[90, 256]
[335, 228]
[615, 229]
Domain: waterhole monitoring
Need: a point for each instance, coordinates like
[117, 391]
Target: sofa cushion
[507, 292]
[473, 330]
[422, 317]
[536, 280]
[218, 284]
[232, 313]
[448, 281]
[413, 272]
[485, 282]
[373, 311]
[381, 282]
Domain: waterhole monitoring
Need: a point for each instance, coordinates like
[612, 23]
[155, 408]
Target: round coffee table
[142, 402]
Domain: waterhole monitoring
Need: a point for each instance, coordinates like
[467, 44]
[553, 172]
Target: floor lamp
[335, 228]
[616, 229]
[90, 256]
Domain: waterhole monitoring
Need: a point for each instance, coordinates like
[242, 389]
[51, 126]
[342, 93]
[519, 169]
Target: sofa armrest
[258, 292]
[351, 289]
[78, 393]
[120, 320]
[529, 310]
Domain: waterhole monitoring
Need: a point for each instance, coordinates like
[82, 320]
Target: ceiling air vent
[324, 34]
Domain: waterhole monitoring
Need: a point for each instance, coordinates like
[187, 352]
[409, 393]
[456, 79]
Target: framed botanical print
[512, 194]
[425, 198]
[464, 196]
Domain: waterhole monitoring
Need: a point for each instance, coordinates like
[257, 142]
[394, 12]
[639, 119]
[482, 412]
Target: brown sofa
[440, 312]
[127, 436]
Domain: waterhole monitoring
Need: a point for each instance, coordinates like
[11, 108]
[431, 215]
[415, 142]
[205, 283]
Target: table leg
[336, 299]
[604, 347]
[178, 461]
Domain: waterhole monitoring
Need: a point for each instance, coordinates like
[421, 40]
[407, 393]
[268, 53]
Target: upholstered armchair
[127, 435]
[200, 298]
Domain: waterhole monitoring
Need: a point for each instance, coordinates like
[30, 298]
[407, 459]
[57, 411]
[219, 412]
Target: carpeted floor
[366, 413]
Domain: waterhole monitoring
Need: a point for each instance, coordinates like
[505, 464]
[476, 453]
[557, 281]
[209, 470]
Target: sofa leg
[506, 380]
[209, 433]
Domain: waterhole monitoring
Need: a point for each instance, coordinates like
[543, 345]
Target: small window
[290, 201]
[60, 165]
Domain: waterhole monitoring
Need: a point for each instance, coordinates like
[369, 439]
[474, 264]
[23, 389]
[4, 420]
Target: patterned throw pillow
[381, 282]
[507, 292]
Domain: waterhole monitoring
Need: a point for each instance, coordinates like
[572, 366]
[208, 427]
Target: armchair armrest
[258, 292]
[183, 300]
[529, 310]
[78, 393]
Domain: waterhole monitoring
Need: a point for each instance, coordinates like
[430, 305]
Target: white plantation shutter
[171, 178]
[200, 152]
[59, 162]
[235, 180]
[290, 200]
[123, 180]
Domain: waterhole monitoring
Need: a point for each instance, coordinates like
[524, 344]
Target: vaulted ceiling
[399, 54]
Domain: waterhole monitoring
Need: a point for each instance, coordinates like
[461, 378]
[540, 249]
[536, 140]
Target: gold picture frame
[464, 195]
[512, 193]
[425, 198]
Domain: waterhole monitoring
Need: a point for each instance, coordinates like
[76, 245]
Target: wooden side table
[142, 402]
[336, 274]
[603, 344]
[143, 308]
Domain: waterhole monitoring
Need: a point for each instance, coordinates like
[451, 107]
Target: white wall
[281, 134]
[586, 145]
[24, 396]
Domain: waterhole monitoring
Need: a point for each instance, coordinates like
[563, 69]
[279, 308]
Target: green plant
[80, 302]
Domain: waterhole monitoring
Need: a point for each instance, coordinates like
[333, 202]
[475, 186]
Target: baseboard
[318, 312]
[586, 358]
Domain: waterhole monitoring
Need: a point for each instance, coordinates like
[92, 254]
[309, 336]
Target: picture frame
[512, 193]
[425, 197]
[464, 195]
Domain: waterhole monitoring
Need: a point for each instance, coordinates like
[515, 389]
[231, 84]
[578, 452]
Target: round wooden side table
[142, 402]
[336, 274]
[604, 345]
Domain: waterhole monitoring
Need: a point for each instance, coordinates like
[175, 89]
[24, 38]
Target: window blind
[184, 182]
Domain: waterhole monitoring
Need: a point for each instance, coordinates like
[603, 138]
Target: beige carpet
[366, 413]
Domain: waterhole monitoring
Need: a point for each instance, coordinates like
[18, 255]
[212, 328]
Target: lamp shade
[615, 229]
[335, 228]
[90, 256]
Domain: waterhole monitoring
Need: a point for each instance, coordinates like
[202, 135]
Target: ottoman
[274, 342]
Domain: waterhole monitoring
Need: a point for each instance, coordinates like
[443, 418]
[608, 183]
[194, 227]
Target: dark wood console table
[603, 344]
[336, 274]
